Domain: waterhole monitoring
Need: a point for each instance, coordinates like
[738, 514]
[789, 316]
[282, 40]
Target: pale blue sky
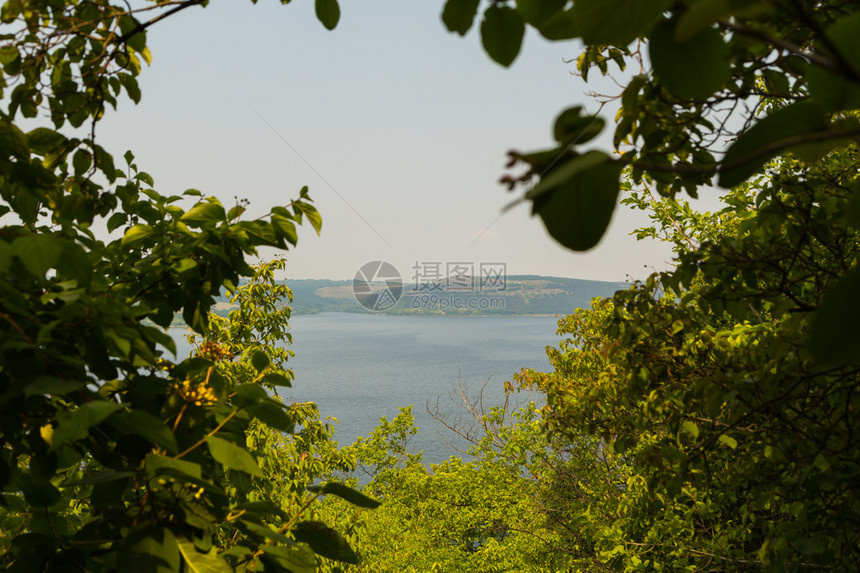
[408, 123]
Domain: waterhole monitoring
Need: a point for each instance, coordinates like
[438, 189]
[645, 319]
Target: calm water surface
[361, 367]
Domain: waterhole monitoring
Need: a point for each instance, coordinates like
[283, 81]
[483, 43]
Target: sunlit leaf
[232, 456]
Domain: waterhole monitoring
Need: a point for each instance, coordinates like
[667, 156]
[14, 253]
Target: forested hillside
[522, 295]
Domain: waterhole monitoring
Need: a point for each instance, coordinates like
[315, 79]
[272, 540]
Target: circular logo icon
[377, 285]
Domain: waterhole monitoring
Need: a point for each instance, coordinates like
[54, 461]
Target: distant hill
[520, 295]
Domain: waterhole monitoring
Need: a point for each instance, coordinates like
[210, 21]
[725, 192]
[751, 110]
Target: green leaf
[347, 493]
[127, 24]
[324, 541]
[705, 13]
[43, 140]
[260, 360]
[536, 12]
[276, 379]
[5, 255]
[571, 127]
[834, 337]
[99, 477]
[9, 54]
[617, 22]
[295, 559]
[81, 161]
[153, 549]
[328, 12]
[576, 201]
[502, 33]
[204, 212]
[785, 129]
[132, 88]
[12, 140]
[560, 26]
[136, 234]
[852, 209]
[273, 415]
[311, 213]
[38, 253]
[262, 509]
[838, 92]
[247, 394]
[38, 493]
[728, 440]
[156, 464]
[264, 531]
[199, 562]
[691, 70]
[232, 456]
[458, 15]
[692, 428]
[158, 336]
[285, 228]
[104, 161]
[76, 426]
[147, 426]
[75, 264]
[51, 385]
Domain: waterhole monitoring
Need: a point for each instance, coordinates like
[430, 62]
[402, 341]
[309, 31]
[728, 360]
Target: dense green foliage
[686, 425]
[113, 457]
[744, 450]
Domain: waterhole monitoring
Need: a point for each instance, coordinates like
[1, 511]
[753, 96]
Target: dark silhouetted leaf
[783, 130]
[328, 12]
[347, 493]
[458, 15]
[536, 12]
[694, 69]
[837, 92]
[260, 360]
[325, 541]
[571, 127]
[834, 337]
[502, 33]
[576, 201]
[617, 22]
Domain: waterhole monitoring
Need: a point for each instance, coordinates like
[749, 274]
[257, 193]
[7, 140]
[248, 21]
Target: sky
[399, 128]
